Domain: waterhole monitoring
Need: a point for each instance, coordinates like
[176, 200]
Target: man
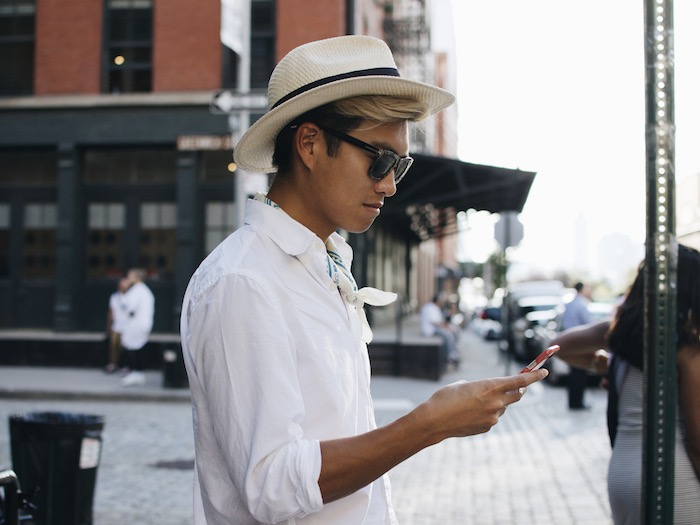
[273, 327]
[433, 323]
[575, 314]
[137, 324]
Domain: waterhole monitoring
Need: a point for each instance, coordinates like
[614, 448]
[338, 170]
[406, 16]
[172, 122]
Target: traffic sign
[227, 101]
[508, 230]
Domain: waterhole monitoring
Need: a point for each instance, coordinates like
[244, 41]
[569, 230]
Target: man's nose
[387, 185]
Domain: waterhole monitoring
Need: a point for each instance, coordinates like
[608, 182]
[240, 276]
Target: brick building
[114, 154]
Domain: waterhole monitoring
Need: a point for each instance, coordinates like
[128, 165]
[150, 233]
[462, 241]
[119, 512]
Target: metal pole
[507, 218]
[660, 268]
[239, 194]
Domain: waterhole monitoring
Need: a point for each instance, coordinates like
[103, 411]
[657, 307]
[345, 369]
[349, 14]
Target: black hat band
[377, 71]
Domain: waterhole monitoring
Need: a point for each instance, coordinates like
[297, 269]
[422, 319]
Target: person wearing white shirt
[274, 333]
[137, 324]
[433, 323]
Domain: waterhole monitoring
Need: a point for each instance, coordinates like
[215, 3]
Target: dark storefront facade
[89, 192]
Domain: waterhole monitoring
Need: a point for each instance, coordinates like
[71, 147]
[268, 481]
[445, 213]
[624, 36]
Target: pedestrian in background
[274, 332]
[623, 338]
[433, 323]
[116, 314]
[576, 314]
[137, 325]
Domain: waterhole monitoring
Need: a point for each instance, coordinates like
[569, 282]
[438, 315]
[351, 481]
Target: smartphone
[541, 359]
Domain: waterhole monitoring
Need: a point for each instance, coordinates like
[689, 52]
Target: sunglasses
[384, 161]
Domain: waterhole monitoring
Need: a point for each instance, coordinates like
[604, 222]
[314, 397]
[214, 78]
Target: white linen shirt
[275, 365]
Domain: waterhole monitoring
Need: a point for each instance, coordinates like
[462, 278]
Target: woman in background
[623, 338]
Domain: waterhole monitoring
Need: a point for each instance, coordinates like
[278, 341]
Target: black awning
[437, 188]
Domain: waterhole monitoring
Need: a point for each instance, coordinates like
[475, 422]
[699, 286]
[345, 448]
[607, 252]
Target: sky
[557, 87]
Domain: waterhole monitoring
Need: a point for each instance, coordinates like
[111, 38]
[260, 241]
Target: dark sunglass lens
[402, 169]
[382, 165]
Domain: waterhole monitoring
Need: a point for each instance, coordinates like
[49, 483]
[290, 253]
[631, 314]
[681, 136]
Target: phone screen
[540, 360]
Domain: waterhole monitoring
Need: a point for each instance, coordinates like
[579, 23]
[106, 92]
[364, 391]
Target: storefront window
[17, 47]
[262, 42]
[30, 167]
[220, 218]
[215, 166]
[105, 243]
[129, 42]
[39, 241]
[158, 243]
[129, 166]
[4, 241]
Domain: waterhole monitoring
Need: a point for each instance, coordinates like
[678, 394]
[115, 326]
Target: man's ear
[307, 142]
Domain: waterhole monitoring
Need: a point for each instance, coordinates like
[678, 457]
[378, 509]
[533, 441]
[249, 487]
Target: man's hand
[460, 409]
[466, 408]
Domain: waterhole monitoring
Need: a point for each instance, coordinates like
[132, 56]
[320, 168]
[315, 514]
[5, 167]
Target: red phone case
[540, 359]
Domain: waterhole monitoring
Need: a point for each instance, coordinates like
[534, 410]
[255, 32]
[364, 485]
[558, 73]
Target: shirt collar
[291, 236]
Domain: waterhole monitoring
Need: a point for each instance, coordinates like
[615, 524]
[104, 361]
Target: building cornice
[189, 98]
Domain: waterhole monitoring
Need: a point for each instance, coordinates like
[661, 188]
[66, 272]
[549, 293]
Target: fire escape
[407, 32]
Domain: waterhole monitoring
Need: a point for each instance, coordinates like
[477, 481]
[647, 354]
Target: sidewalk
[85, 384]
[540, 465]
[36, 382]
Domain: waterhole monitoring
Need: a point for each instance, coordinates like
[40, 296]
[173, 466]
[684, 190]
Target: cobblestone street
[542, 464]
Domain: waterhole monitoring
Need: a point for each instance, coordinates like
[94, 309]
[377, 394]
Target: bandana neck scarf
[343, 279]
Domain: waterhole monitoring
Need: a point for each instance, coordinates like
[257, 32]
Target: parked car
[534, 323]
[512, 311]
[487, 323]
[558, 369]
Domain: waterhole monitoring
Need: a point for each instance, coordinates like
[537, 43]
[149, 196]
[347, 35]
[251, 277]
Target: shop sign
[204, 142]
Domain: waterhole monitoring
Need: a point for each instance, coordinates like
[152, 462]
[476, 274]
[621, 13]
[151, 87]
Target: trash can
[174, 373]
[57, 455]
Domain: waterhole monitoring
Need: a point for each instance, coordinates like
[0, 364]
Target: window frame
[10, 44]
[128, 77]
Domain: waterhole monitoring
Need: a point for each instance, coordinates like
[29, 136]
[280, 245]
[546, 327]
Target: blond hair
[381, 108]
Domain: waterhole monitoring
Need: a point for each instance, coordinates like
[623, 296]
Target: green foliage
[499, 268]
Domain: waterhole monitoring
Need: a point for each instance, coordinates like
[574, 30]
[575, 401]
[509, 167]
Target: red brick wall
[68, 44]
[186, 45]
[186, 41]
[301, 21]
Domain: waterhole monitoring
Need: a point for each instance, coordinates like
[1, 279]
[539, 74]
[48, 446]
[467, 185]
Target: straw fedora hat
[320, 72]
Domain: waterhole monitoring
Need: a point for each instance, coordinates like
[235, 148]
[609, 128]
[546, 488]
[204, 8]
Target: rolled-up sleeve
[246, 391]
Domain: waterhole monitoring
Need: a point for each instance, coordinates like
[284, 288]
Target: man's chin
[359, 229]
